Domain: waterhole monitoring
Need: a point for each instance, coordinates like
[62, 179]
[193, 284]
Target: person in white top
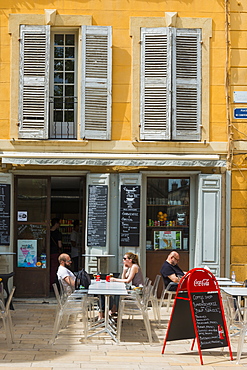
[64, 274]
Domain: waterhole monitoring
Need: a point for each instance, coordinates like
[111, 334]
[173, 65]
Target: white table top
[228, 283]
[236, 291]
[7, 253]
[98, 255]
[107, 288]
[222, 278]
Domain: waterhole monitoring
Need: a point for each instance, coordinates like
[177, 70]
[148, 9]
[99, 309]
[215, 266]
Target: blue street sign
[240, 113]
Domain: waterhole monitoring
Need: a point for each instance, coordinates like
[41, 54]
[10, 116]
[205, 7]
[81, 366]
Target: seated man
[171, 272]
[64, 274]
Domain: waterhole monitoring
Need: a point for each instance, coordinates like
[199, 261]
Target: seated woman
[132, 272]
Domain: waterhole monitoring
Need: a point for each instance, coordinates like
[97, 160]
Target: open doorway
[67, 204]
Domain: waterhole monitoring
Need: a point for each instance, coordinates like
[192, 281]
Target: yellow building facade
[121, 114]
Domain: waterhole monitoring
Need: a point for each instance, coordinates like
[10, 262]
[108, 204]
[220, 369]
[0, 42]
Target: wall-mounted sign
[240, 96]
[130, 216]
[26, 253]
[240, 113]
[4, 214]
[22, 216]
[97, 215]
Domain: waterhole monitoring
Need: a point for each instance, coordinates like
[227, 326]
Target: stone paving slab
[33, 323]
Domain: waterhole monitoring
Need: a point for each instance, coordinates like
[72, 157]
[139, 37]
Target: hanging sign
[198, 312]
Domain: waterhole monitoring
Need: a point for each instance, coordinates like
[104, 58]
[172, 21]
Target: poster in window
[27, 253]
[167, 239]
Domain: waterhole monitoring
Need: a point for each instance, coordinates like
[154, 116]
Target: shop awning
[97, 159]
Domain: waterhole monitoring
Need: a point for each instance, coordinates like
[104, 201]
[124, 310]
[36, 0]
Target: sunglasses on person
[125, 258]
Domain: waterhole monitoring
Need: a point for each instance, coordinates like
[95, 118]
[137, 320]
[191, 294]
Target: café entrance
[37, 201]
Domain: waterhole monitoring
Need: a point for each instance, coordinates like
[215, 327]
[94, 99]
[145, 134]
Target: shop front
[149, 212]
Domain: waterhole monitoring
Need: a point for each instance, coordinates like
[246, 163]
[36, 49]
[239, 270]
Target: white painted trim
[8, 155]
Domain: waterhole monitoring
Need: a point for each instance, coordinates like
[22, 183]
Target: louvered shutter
[34, 82]
[96, 84]
[186, 92]
[155, 84]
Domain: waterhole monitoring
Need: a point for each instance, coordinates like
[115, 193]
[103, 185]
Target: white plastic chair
[170, 294]
[135, 304]
[1, 291]
[237, 322]
[66, 309]
[154, 299]
[6, 317]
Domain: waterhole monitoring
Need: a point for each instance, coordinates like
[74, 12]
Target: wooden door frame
[40, 273]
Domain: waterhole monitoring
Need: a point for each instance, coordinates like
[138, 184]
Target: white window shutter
[155, 104]
[208, 230]
[34, 82]
[186, 92]
[96, 84]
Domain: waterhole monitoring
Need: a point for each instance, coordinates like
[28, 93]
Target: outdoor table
[107, 289]
[229, 283]
[238, 292]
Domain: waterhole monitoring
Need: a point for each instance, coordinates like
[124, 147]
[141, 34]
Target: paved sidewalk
[33, 324]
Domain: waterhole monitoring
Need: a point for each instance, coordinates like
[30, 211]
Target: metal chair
[6, 317]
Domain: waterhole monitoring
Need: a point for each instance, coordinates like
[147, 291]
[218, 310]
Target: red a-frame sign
[198, 312]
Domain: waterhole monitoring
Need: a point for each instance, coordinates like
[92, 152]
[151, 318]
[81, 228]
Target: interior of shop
[67, 204]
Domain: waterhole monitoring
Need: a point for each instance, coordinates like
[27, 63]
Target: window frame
[73, 31]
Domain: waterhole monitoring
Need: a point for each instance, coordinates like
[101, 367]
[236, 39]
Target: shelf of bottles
[66, 228]
[168, 207]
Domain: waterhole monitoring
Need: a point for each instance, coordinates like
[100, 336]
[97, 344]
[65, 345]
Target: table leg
[108, 327]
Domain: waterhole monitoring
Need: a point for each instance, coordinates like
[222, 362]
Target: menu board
[4, 214]
[130, 216]
[97, 215]
[209, 320]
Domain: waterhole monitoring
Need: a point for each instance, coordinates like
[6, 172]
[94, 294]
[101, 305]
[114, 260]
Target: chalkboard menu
[4, 214]
[198, 312]
[209, 321]
[97, 215]
[130, 215]
[31, 231]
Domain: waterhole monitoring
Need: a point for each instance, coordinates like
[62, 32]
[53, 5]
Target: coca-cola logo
[203, 282]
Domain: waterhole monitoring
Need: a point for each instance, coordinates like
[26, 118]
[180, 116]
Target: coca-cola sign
[203, 282]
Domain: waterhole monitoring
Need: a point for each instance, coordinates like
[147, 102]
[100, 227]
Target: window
[65, 94]
[170, 97]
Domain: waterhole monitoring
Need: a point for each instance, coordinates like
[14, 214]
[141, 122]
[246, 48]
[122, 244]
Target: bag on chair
[82, 279]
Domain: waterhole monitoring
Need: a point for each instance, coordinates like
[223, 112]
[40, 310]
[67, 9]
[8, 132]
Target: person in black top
[170, 270]
[55, 249]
